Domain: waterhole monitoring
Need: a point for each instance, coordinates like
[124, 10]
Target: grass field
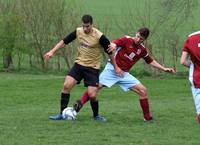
[27, 100]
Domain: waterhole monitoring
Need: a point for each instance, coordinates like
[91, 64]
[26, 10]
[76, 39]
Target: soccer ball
[69, 113]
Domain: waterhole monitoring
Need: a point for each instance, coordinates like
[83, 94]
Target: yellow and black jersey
[89, 49]
[89, 46]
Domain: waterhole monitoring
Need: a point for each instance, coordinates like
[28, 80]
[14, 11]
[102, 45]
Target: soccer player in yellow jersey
[87, 63]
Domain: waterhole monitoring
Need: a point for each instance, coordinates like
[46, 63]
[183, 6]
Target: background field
[29, 94]
[25, 35]
[27, 100]
[108, 10]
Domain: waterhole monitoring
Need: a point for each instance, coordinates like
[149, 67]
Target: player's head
[141, 35]
[87, 23]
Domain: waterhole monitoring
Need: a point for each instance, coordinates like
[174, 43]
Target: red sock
[198, 118]
[84, 98]
[145, 108]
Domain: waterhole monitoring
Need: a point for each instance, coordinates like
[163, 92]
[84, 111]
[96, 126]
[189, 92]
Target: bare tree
[179, 12]
[37, 23]
[104, 27]
[8, 32]
[46, 23]
[66, 20]
[163, 18]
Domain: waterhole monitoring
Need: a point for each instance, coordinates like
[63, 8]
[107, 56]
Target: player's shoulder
[126, 38]
[96, 32]
[194, 34]
[79, 30]
[130, 38]
[194, 37]
[95, 29]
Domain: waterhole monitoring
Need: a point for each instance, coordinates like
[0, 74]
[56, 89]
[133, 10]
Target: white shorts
[195, 91]
[108, 77]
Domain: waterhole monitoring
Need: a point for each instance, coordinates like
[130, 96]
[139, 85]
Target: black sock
[64, 101]
[95, 107]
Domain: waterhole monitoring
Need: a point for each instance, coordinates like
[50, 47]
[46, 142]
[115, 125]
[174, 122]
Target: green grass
[27, 100]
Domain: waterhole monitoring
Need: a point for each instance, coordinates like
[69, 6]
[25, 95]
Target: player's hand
[48, 55]
[119, 72]
[112, 47]
[170, 70]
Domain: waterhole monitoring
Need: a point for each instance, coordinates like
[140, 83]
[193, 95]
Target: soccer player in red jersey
[128, 51]
[191, 49]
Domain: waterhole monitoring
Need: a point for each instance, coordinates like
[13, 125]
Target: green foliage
[28, 100]
[168, 20]
[31, 28]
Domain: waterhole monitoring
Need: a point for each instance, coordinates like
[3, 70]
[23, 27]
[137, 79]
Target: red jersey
[129, 53]
[192, 46]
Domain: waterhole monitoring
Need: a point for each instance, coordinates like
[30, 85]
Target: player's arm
[184, 59]
[69, 38]
[185, 54]
[105, 44]
[155, 64]
[116, 43]
[112, 47]
[149, 60]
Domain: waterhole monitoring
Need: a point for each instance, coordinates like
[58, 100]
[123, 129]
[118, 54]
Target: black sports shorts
[89, 74]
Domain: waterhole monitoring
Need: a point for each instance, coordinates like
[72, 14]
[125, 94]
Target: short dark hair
[144, 32]
[87, 19]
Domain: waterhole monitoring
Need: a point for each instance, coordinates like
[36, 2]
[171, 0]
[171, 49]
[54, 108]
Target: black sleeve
[104, 43]
[69, 38]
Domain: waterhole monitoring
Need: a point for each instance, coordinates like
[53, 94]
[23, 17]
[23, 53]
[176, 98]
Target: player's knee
[143, 92]
[92, 95]
[93, 99]
[66, 87]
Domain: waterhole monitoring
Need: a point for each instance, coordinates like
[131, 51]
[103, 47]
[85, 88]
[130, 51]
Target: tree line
[30, 28]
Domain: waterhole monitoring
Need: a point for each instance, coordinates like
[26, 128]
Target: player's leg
[93, 102]
[69, 83]
[198, 118]
[129, 82]
[196, 97]
[91, 80]
[92, 92]
[84, 99]
[106, 78]
[71, 80]
[141, 90]
[195, 92]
